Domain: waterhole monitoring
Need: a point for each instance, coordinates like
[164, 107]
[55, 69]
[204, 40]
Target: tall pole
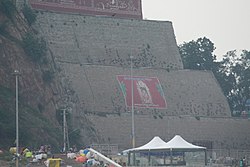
[132, 101]
[64, 130]
[67, 136]
[17, 73]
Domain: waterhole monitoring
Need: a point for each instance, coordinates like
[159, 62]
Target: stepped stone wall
[110, 41]
[221, 133]
[91, 51]
[187, 92]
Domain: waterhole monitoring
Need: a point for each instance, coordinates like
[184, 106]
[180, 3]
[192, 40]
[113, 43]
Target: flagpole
[132, 101]
[17, 73]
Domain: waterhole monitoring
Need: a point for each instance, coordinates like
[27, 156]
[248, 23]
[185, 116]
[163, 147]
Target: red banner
[114, 8]
[147, 91]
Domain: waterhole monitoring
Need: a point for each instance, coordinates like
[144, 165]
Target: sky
[225, 22]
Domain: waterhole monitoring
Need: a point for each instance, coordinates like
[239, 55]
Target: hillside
[40, 94]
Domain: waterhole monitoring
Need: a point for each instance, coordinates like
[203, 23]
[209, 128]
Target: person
[28, 154]
[210, 161]
[244, 162]
[144, 92]
[70, 150]
[42, 149]
[241, 162]
[74, 148]
[49, 152]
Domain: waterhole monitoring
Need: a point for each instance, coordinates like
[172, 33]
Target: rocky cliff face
[41, 95]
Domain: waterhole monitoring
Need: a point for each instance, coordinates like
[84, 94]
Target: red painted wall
[113, 8]
[147, 92]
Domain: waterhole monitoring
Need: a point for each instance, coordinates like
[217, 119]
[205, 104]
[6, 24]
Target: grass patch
[47, 76]
[29, 14]
[34, 47]
[8, 8]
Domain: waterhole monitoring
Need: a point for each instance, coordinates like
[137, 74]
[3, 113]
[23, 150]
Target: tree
[29, 14]
[8, 8]
[232, 73]
[237, 68]
[198, 55]
[34, 47]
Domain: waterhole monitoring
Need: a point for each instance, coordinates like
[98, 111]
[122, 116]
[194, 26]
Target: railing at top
[113, 8]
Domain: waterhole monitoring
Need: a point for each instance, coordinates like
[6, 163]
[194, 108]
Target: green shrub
[4, 31]
[8, 8]
[6, 93]
[47, 76]
[29, 14]
[34, 47]
[6, 156]
[40, 107]
[3, 27]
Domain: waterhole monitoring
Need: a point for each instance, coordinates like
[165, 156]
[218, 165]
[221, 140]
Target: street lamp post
[132, 101]
[17, 74]
[64, 130]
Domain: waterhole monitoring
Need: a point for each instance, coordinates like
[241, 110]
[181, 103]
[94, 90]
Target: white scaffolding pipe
[104, 158]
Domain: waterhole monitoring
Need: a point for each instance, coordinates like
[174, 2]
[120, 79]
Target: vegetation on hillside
[8, 8]
[31, 122]
[34, 47]
[232, 73]
[34, 127]
[29, 14]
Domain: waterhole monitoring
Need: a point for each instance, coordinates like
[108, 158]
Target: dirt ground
[64, 163]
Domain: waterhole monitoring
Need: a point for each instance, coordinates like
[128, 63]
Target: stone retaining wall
[109, 41]
[91, 51]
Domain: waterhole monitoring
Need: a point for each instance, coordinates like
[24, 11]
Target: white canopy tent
[177, 143]
[155, 144]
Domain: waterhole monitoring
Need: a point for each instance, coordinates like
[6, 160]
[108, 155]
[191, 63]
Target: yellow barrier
[54, 162]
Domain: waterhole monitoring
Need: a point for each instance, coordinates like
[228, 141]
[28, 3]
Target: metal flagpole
[64, 130]
[132, 101]
[17, 73]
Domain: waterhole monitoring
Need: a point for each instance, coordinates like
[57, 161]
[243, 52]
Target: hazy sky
[225, 22]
